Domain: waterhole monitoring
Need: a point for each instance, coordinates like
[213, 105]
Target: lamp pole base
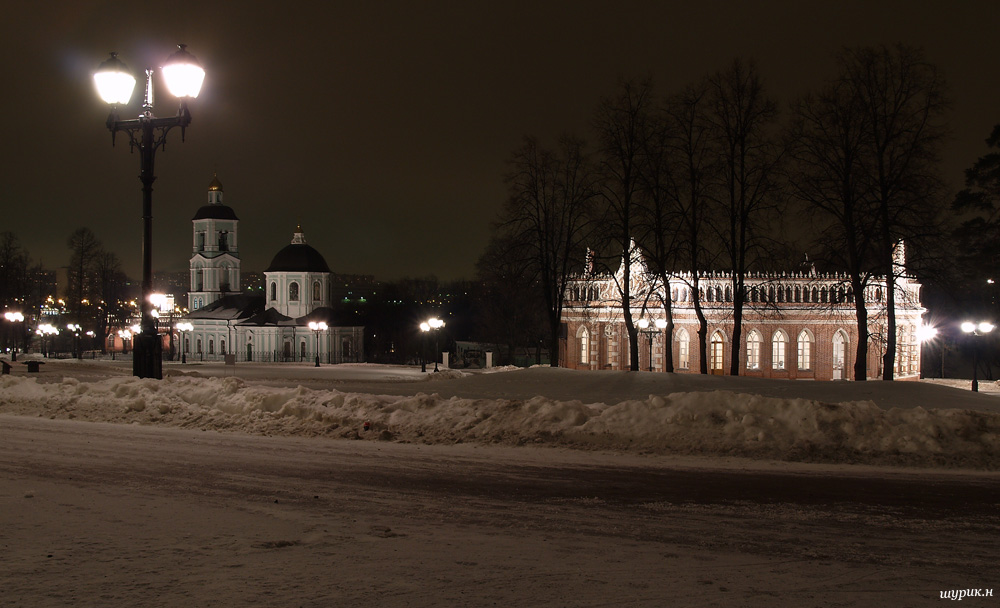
[147, 357]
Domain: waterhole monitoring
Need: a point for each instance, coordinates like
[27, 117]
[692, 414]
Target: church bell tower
[215, 257]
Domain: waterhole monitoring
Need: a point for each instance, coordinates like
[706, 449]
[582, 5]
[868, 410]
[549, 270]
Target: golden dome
[216, 185]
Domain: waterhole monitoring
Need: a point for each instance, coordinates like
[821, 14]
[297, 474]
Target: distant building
[798, 325]
[271, 326]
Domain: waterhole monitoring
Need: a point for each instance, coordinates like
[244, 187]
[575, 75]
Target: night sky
[384, 127]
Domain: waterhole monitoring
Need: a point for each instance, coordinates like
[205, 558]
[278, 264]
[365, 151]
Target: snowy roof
[323, 313]
[271, 316]
[237, 306]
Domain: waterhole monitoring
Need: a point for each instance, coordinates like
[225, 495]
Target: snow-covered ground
[260, 487]
[910, 423]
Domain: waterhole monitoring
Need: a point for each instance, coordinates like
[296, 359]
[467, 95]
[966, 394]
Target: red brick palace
[796, 325]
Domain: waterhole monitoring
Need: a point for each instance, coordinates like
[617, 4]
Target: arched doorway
[839, 354]
[717, 351]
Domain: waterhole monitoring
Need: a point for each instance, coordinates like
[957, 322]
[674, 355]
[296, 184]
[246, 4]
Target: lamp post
[645, 328]
[317, 327]
[436, 324]
[43, 331]
[114, 83]
[185, 328]
[125, 335]
[977, 330]
[75, 328]
[12, 318]
[424, 328]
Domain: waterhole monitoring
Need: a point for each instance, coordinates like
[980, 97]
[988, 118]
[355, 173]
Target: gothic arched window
[805, 341]
[683, 349]
[778, 341]
[753, 350]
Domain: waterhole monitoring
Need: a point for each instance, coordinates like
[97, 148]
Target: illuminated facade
[272, 327]
[797, 325]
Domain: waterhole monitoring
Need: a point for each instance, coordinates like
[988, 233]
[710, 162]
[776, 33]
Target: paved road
[97, 514]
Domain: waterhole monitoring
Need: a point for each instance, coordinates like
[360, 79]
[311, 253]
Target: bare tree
[111, 287]
[84, 248]
[903, 97]
[622, 122]
[661, 238]
[743, 119]
[509, 315]
[979, 233]
[548, 211]
[695, 163]
[14, 282]
[826, 144]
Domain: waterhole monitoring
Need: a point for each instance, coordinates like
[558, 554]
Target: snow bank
[719, 422]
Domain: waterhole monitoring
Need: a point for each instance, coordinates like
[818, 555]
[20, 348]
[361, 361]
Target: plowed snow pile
[719, 422]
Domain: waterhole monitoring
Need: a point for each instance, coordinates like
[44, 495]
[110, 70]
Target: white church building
[272, 327]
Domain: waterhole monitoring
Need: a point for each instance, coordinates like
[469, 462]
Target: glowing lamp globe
[968, 327]
[183, 74]
[113, 81]
[985, 327]
[643, 323]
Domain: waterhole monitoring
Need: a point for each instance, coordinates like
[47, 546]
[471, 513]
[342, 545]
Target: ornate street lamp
[317, 327]
[114, 84]
[650, 332]
[13, 317]
[977, 330]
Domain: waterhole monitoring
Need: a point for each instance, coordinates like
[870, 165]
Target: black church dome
[298, 257]
[215, 212]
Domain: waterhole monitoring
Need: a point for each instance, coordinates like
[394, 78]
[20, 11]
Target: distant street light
[75, 328]
[650, 333]
[433, 324]
[44, 330]
[114, 84]
[424, 328]
[13, 317]
[125, 335]
[977, 330]
[184, 327]
[317, 327]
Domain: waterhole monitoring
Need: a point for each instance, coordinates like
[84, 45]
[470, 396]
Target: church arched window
[293, 292]
[316, 291]
[274, 291]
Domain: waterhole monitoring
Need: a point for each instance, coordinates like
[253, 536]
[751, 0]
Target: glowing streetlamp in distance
[317, 327]
[978, 330]
[926, 333]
